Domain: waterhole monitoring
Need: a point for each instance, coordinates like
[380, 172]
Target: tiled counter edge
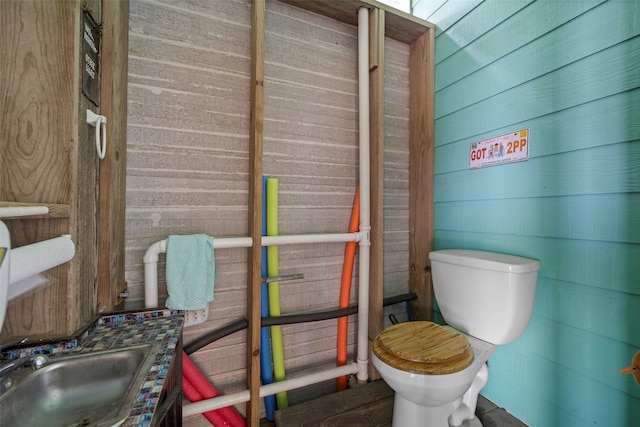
[160, 328]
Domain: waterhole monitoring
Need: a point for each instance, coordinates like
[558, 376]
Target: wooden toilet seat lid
[423, 347]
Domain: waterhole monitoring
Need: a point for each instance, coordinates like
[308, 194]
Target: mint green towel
[190, 271]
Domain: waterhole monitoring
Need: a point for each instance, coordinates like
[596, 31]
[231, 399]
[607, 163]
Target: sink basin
[92, 389]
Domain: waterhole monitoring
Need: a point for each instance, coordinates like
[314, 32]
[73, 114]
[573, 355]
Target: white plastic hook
[99, 122]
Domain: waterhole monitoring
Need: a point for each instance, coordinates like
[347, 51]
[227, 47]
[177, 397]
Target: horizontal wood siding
[396, 168]
[188, 155]
[188, 160]
[569, 71]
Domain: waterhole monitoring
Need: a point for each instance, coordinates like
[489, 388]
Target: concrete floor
[369, 405]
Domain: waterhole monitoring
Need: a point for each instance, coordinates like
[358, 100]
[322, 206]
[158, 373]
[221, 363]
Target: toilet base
[475, 422]
[409, 414]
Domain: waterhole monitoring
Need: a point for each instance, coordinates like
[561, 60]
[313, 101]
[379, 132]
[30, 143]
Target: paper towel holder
[100, 123]
[28, 261]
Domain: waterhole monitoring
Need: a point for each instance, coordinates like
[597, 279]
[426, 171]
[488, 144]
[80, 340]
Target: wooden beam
[83, 224]
[254, 279]
[398, 25]
[376, 135]
[421, 149]
[112, 184]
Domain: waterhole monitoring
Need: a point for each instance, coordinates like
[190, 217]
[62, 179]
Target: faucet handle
[39, 361]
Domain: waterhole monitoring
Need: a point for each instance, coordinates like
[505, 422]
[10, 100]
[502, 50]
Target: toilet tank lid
[486, 260]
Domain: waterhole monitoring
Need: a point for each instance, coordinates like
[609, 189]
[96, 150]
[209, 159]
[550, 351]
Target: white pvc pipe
[151, 272]
[151, 264]
[232, 242]
[267, 390]
[362, 354]
[310, 238]
[151, 255]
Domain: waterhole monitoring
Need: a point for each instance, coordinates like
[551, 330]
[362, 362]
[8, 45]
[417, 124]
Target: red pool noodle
[214, 417]
[345, 289]
[191, 372]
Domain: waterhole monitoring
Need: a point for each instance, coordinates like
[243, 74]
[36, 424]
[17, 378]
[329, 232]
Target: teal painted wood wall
[570, 72]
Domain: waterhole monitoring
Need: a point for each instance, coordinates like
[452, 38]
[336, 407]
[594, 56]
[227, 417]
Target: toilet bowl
[438, 371]
[427, 393]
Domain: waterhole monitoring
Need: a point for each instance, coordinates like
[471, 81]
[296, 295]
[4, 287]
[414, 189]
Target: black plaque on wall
[90, 58]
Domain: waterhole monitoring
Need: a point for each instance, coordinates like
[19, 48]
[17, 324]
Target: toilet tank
[485, 294]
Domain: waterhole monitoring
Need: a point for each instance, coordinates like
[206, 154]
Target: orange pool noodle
[345, 289]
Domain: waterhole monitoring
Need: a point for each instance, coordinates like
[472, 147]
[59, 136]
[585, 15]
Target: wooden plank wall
[396, 167]
[48, 155]
[37, 155]
[187, 172]
[569, 71]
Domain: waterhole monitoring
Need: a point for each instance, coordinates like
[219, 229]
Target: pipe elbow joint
[151, 255]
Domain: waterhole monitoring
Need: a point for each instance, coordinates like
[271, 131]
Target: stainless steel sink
[92, 389]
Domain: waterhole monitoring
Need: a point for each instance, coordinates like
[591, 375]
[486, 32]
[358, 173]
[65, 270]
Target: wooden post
[376, 132]
[421, 147]
[254, 279]
[112, 169]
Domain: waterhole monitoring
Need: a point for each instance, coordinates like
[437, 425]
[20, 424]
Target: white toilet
[438, 371]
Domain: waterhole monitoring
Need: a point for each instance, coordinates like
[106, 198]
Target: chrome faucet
[36, 362]
[13, 343]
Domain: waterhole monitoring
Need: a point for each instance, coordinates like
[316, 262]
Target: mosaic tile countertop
[160, 328]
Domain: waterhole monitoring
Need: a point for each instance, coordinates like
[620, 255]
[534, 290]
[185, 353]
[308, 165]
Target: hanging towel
[190, 271]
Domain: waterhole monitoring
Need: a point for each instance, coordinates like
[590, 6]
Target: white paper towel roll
[29, 260]
[5, 246]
